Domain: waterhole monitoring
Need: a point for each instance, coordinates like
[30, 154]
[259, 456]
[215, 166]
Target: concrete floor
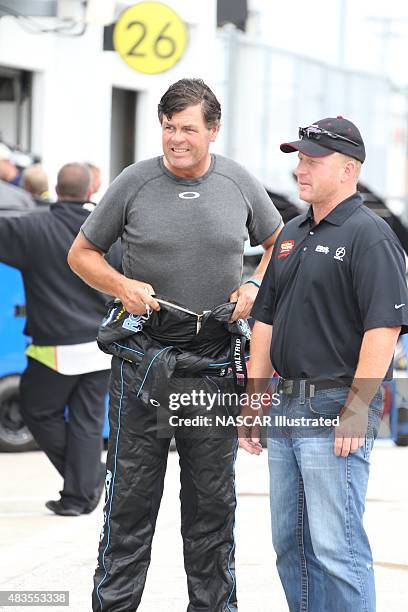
[42, 551]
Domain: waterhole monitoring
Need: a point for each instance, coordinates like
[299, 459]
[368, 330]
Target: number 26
[157, 42]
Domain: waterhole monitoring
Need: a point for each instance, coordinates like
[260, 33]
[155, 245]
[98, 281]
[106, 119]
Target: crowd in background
[24, 182]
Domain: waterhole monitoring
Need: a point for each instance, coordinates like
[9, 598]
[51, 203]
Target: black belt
[309, 386]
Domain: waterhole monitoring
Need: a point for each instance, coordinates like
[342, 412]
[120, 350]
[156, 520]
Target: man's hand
[249, 434]
[244, 296]
[350, 433]
[136, 296]
[344, 446]
[377, 349]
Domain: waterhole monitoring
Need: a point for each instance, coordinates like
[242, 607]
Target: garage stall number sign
[150, 37]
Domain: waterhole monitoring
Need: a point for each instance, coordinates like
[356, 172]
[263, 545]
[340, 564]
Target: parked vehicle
[14, 435]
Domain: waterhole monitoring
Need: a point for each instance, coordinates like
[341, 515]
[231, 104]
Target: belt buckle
[286, 386]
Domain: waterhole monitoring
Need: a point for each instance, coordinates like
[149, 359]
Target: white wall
[269, 93]
[262, 104]
[73, 82]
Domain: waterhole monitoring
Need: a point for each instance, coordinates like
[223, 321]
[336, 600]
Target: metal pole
[232, 51]
[342, 33]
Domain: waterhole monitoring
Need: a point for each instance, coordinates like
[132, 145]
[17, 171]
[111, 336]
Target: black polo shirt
[326, 285]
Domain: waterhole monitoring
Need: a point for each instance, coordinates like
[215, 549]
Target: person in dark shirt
[65, 367]
[336, 297]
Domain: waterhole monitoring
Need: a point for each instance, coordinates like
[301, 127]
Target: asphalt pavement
[41, 551]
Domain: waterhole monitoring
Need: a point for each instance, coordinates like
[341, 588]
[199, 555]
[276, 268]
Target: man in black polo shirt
[336, 295]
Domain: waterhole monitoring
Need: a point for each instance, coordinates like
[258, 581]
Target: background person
[11, 197]
[95, 179]
[8, 170]
[336, 296]
[35, 182]
[183, 218]
[65, 366]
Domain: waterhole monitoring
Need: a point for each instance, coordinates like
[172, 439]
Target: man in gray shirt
[183, 219]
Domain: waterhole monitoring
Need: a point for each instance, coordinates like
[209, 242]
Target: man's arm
[245, 294]
[376, 353]
[88, 262]
[13, 243]
[268, 246]
[260, 366]
[260, 372]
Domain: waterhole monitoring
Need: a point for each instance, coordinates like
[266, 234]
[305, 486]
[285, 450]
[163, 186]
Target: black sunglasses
[314, 132]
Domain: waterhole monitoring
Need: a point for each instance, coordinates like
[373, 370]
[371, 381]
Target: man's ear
[214, 132]
[89, 193]
[349, 170]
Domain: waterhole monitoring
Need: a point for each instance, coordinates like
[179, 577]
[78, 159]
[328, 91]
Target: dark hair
[73, 182]
[189, 92]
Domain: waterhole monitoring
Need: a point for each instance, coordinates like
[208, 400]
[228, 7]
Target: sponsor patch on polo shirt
[286, 248]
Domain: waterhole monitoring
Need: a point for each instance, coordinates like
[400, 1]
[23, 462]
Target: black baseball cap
[327, 136]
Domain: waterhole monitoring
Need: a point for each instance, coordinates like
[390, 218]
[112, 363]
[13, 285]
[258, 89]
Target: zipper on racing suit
[199, 316]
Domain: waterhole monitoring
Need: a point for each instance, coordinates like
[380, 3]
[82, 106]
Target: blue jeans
[317, 504]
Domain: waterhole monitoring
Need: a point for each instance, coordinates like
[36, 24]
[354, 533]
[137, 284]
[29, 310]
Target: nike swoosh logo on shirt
[397, 306]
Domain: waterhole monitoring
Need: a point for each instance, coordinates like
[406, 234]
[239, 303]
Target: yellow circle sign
[150, 37]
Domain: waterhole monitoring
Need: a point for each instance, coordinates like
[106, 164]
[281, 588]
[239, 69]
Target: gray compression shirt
[184, 236]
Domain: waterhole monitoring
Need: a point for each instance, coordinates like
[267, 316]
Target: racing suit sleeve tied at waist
[169, 344]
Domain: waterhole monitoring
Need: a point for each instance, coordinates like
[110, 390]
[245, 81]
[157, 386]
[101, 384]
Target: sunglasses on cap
[313, 132]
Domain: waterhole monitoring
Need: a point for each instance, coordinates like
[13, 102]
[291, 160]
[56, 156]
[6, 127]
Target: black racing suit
[170, 352]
